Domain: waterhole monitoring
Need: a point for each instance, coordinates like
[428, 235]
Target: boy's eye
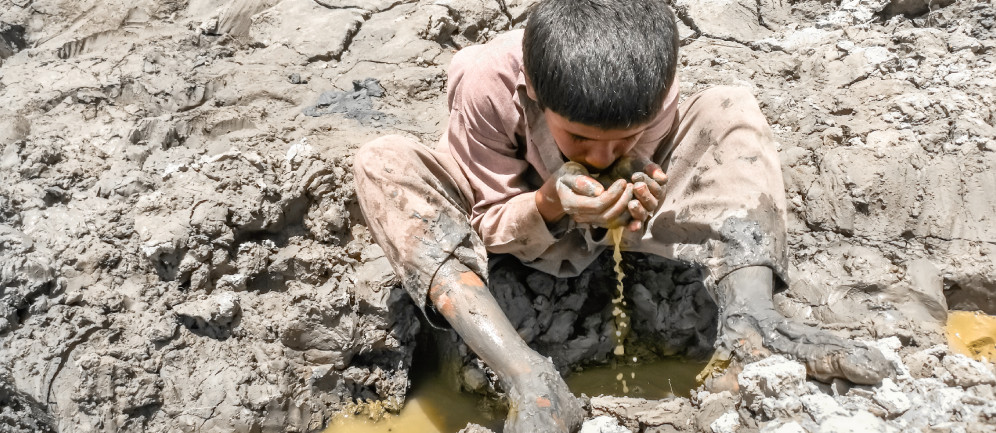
[579, 138]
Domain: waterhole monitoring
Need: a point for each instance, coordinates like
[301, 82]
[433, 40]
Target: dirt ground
[181, 249]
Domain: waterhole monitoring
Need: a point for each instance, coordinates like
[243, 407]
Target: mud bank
[180, 248]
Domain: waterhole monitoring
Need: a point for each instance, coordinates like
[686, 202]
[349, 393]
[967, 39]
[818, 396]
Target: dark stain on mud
[356, 104]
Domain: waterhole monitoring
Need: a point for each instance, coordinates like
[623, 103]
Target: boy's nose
[602, 155]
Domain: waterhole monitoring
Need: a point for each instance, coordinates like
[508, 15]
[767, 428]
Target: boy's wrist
[548, 203]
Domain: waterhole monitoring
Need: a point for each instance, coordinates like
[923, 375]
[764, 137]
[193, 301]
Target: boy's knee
[729, 97]
[375, 155]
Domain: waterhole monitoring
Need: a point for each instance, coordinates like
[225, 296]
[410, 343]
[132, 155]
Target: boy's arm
[505, 212]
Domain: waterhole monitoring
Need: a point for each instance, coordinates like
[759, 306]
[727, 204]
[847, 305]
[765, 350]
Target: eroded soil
[180, 247]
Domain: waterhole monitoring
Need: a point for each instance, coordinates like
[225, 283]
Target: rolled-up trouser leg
[725, 199]
[415, 202]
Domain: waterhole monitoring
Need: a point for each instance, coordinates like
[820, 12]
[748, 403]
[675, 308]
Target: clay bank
[181, 247]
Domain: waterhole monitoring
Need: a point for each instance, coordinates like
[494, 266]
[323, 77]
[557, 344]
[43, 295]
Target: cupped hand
[648, 180]
[589, 202]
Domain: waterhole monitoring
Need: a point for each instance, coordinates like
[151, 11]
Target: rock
[728, 423]
[725, 19]
[914, 7]
[11, 40]
[891, 398]
[771, 377]
[13, 128]
[860, 422]
[316, 32]
[967, 372]
[789, 427]
[821, 406]
[212, 317]
[475, 428]
[603, 424]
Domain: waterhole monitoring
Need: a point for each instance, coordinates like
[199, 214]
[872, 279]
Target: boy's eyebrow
[576, 135]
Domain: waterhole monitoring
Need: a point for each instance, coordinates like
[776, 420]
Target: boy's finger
[610, 196]
[656, 172]
[643, 193]
[656, 188]
[583, 207]
[583, 185]
[620, 206]
[634, 225]
[637, 210]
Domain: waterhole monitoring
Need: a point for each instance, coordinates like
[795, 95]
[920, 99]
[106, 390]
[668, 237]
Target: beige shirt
[499, 138]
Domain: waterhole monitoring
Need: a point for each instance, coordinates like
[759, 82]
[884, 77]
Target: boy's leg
[414, 202]
[725, 208]
[540, 399]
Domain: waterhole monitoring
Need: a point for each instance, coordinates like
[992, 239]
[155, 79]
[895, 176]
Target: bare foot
[745, 338]
[750, 329]
[825, 355]
[541, 402]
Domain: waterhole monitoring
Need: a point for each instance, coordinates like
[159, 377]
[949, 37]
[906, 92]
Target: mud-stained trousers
[724, 207]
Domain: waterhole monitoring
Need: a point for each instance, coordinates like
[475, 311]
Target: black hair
[603, 63]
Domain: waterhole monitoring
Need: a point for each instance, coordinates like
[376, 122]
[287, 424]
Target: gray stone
[771, 377]
[860, 422]
[603, 424]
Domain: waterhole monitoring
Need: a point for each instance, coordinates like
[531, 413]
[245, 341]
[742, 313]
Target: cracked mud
[181, 248]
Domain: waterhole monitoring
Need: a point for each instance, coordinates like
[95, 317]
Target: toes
[825, 355]
[865, 366]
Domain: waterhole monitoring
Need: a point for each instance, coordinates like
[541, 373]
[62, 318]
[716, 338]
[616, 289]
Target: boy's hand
[648, 180]
[573, 192]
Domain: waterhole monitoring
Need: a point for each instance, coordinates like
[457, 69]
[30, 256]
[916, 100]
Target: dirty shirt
[498, 136]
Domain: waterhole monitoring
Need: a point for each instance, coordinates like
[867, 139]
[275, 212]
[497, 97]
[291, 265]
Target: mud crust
[181, 249]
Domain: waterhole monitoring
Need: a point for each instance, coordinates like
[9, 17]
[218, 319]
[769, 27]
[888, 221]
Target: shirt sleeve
[663, 125]
[481, 135]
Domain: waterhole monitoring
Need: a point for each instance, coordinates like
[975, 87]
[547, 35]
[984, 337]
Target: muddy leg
[539, 397]
[750, 328]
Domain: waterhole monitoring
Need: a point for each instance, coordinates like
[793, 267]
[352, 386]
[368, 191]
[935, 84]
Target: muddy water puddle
[972, 334]
[435, 407]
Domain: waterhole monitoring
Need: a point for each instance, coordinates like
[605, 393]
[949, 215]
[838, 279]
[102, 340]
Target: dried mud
[181, 250]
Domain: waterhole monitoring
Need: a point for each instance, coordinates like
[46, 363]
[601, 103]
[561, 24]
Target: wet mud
[181, 247]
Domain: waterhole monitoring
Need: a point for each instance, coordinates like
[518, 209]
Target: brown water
[972, 334]
[619, 302]
[434, 407]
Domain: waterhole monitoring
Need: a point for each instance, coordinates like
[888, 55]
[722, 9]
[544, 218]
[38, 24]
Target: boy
[589, 92]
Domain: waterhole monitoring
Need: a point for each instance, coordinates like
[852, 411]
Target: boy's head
[602, 63]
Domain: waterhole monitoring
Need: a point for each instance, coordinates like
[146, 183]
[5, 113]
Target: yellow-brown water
[433, 407]
[972, 334]
[619, 302]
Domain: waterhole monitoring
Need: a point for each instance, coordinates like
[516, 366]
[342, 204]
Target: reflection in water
[434, 407]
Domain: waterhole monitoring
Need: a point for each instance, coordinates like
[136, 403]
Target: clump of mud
[180, 248]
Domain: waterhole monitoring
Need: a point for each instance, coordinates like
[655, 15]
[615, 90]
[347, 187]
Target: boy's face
[591, 146]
